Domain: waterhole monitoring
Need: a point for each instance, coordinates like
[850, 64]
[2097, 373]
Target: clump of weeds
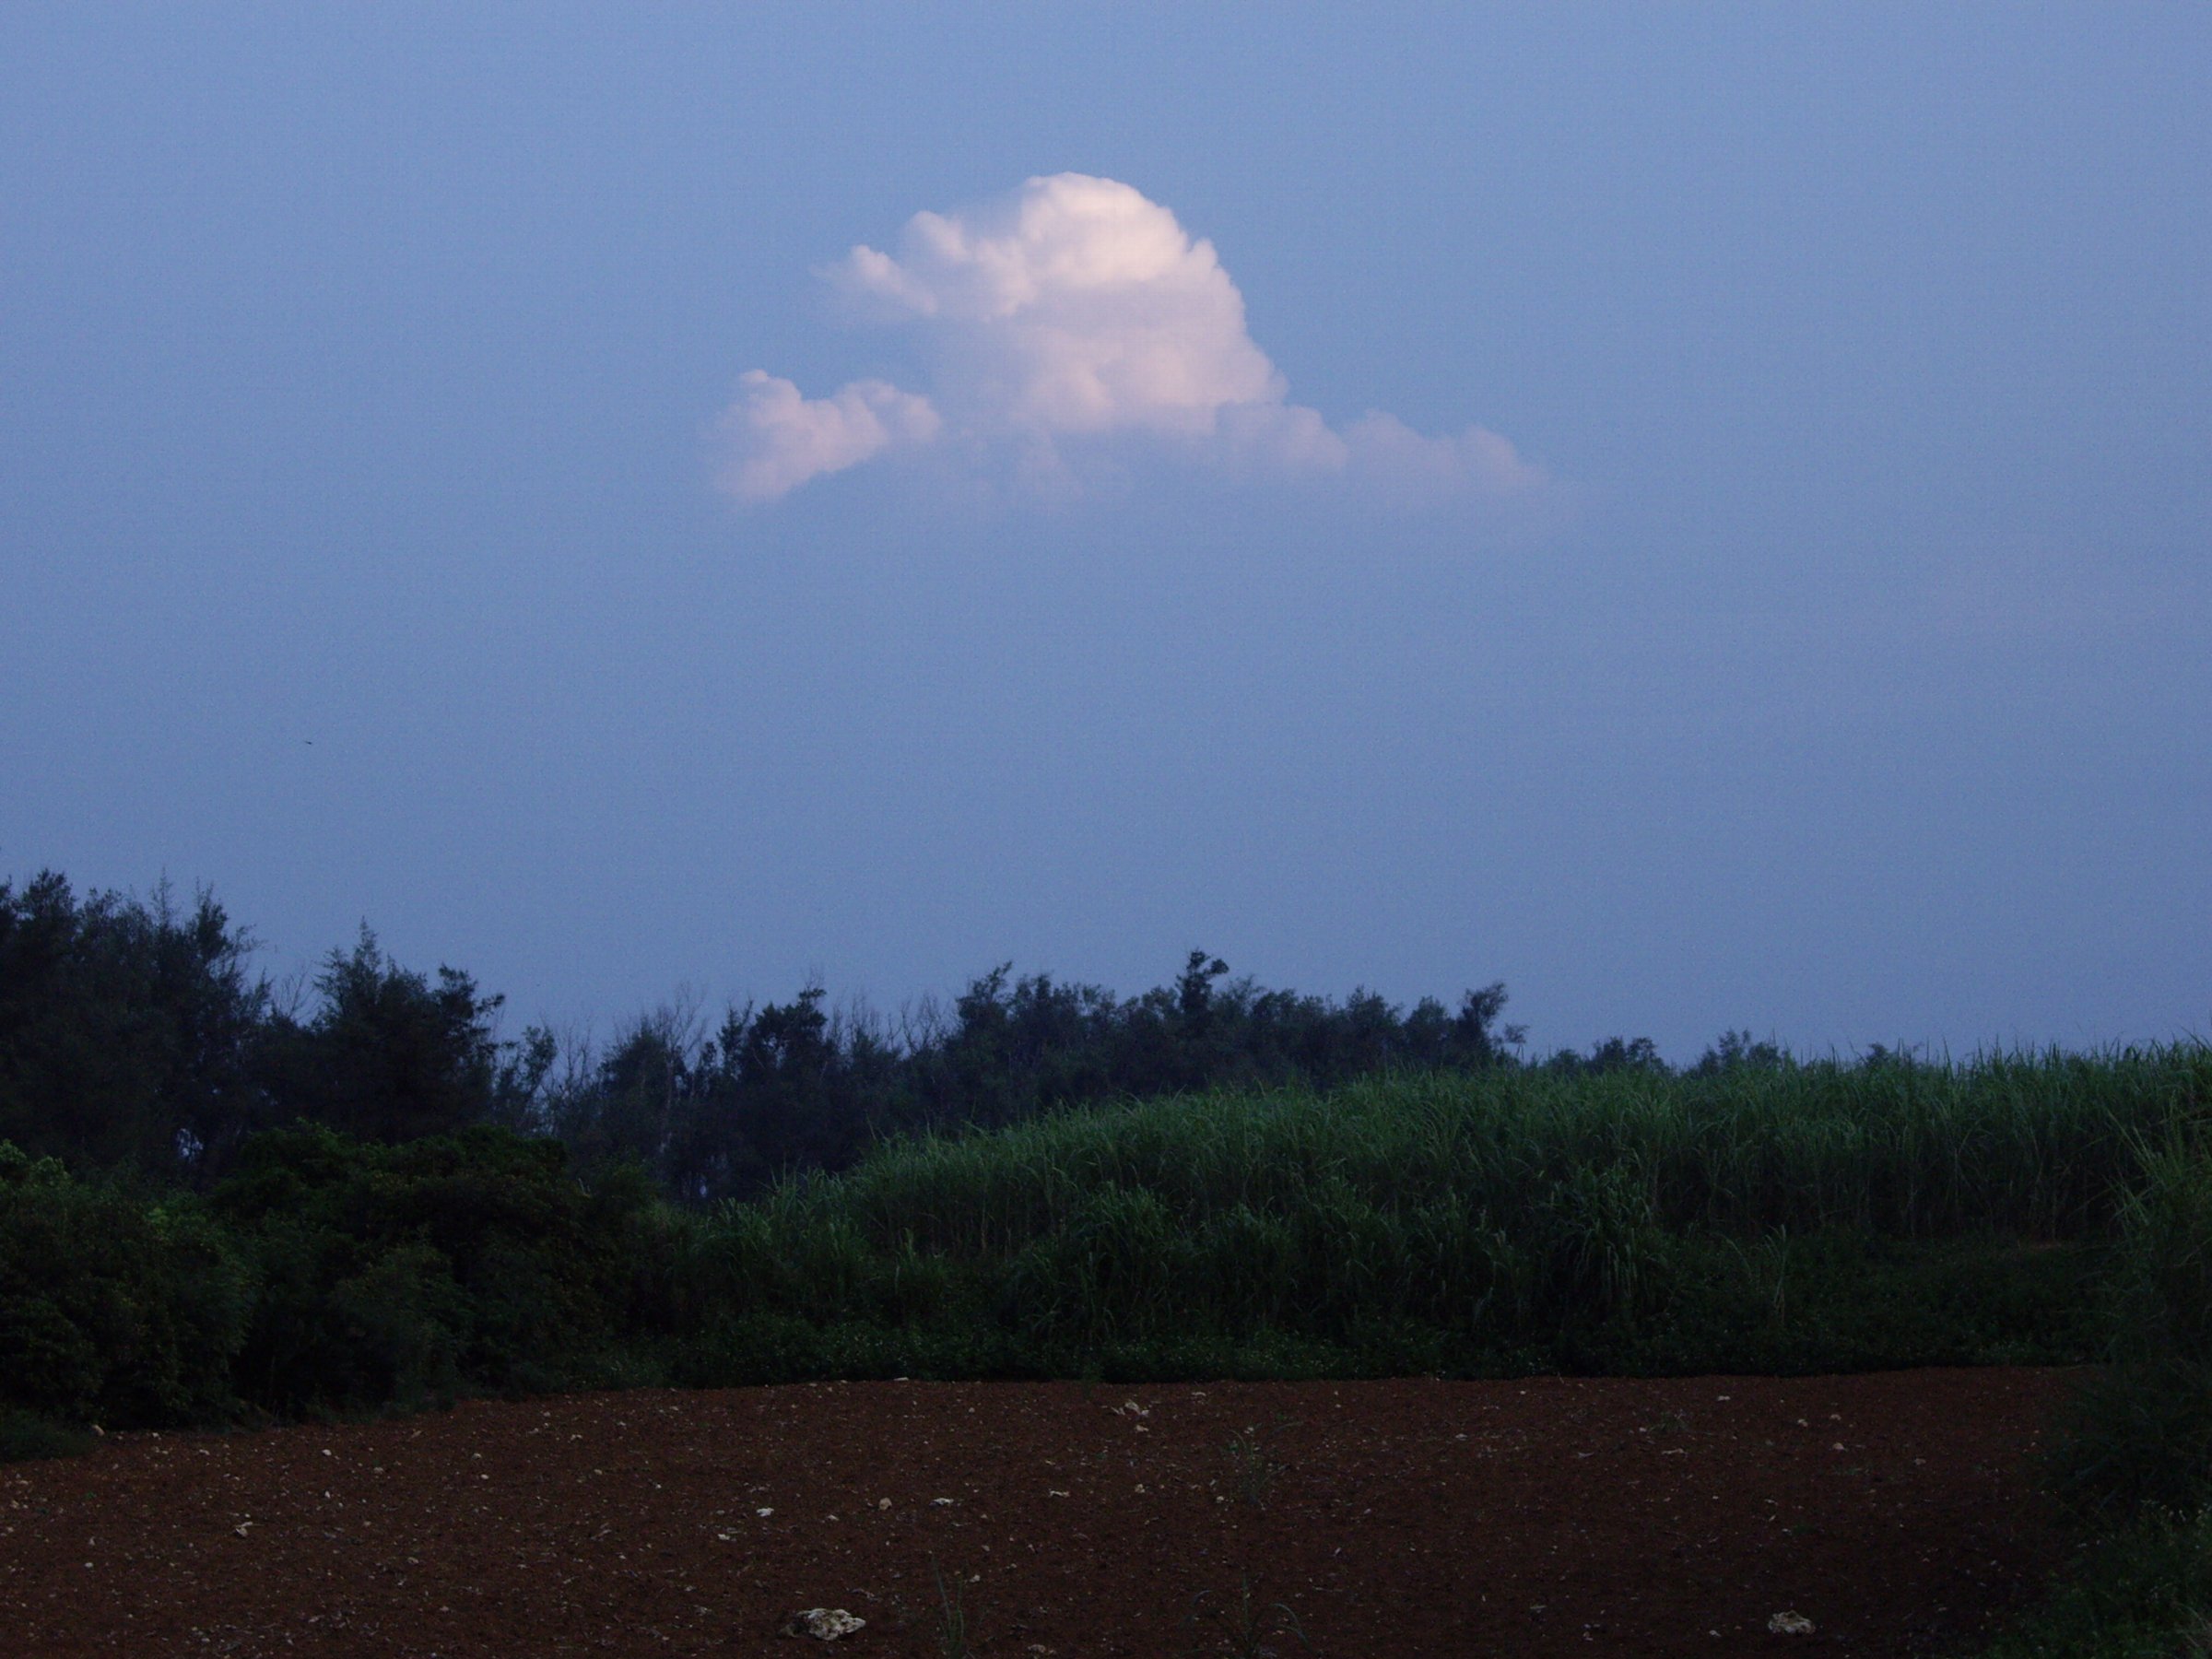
[950, 1620]
[952, 1615]
[1671, 1426]
[1244, 1624]
[1254, 1470]
[24, 1436]
[1766, 1269]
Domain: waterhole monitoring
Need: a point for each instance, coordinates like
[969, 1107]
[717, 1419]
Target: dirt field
[1404, 1518]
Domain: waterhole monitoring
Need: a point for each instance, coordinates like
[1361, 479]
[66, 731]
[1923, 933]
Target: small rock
[825, 1624]
[1790, 1624]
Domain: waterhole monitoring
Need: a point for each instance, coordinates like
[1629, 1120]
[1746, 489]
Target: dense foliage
[2132, 1461]
[2140, 1430]
[132, 1038]
[1793, 1218]
[113, 1307]
[784, 1087]
[395, 1273]
[127, 1030]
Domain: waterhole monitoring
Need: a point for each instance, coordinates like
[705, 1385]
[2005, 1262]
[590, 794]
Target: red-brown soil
[1405, 1518]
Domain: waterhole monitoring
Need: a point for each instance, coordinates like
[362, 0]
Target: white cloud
[1383, 448]
[1061, 316]
[778, 439]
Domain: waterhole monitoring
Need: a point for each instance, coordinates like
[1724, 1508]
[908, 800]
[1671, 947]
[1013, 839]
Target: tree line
[136, 1036]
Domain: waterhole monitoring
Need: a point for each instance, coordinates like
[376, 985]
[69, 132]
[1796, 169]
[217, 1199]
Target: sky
[1701, 514]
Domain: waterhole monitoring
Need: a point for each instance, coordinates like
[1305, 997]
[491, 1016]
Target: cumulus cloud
[778, 439]
[1060, 317]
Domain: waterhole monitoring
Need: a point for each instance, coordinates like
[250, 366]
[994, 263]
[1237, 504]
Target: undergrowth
[1782, 1219]
[2132, 1461]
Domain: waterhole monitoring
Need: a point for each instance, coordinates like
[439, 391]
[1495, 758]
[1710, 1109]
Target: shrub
[2139, 1433]
[396, 1273]
[112, 1310]
[25, 1436]
[2143, 1591]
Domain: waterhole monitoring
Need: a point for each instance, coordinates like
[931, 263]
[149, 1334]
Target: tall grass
[1502, 1206]
[2132, 1461]
[2036, 1144]
[2139, 1435]
[1772, 1217]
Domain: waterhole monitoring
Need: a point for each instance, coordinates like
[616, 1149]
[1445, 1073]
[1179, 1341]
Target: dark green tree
[127, 1029]
[1735, 1051]
[388, 1057]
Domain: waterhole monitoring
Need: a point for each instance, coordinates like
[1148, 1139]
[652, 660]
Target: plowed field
[1545, 1516]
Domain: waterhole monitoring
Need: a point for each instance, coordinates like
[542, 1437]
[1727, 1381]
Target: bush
[395, 1274]
[2144, 1591]
[2139, 1433]
[25, 1436]
[112, 1310]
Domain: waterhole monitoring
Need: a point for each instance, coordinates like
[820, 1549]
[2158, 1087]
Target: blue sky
[1827, 659]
